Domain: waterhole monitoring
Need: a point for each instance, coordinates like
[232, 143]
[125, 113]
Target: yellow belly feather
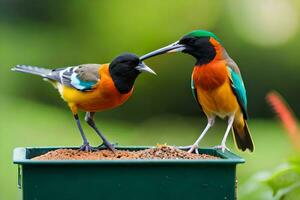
[104, 97]
[220, 101]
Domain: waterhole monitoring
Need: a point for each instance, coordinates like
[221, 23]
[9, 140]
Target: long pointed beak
[142, 67]
[174, 47]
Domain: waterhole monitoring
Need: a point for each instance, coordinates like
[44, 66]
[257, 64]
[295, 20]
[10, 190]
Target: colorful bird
[217, 85]
[93, 87]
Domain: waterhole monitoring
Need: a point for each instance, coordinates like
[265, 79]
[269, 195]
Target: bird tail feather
[32, 70]
[242, 135]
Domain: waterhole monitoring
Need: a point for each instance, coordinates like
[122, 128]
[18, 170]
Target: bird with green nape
[217, 86]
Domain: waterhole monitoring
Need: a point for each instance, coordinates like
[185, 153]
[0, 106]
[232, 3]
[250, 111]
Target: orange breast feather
[103, 96]
[214, 90]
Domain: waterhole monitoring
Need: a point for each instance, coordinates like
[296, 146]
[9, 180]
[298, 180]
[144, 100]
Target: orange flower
[286, 116]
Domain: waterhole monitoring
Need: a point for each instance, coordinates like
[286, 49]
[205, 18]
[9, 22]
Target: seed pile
[159, 152]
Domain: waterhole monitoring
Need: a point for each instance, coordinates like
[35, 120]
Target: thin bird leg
[229, 126]
[89, 119]
[86, 146]
[210, 123]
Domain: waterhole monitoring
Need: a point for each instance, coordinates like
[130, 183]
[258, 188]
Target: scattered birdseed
[160, 152]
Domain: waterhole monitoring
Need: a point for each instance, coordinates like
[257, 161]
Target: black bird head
[200, 44]
[125, 68]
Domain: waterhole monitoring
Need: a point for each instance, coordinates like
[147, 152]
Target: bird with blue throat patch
[93, 87]
[217, 86]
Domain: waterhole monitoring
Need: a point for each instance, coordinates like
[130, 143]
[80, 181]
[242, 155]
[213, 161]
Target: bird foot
[222, 147]
[86, 147]
[194, 148]
[184, 147]
[190, 148]
[108, 145]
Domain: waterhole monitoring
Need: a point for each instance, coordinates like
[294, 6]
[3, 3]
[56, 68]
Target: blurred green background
[262, 36]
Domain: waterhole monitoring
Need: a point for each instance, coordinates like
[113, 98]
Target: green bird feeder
[126, 179]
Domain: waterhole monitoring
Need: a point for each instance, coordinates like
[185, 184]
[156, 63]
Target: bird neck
[212, 52]
[123, 81]
[210, 76]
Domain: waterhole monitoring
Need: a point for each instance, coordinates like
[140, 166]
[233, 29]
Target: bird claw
[222, 147]
[108, 145]
[184, 147]
[86, 147]
[190, 148]
[194, 148]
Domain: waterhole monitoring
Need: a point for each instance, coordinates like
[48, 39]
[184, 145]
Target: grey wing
[230, 63]
[81, 77]
[88, 72]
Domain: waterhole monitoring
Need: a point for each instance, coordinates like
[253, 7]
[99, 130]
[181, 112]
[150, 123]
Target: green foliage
[284, 179]
[293, 193]
[285, 183]
[282, 184]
